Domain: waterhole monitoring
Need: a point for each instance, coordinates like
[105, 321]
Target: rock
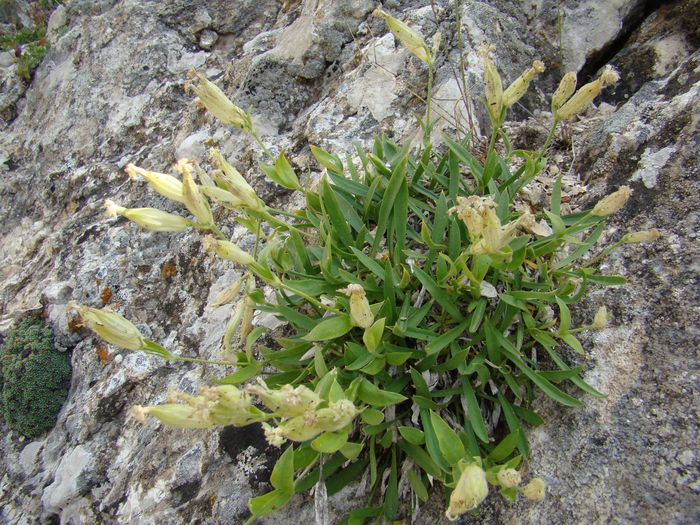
[56, 24]
[69, 480]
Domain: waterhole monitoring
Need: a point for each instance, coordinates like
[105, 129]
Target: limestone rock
[111, 91]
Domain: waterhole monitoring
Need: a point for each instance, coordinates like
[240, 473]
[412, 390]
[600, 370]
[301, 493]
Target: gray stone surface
[110, 91]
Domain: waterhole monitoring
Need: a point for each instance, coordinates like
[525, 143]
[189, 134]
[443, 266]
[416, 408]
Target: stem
[602, 254]
[206, 361]
[260, 143]
[218, 232]
[428, 127]
[547, 142]
[312, 300]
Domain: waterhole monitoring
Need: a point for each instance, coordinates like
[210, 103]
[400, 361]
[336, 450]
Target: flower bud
[566, 88]
[509, 478]
[360, 313]
[167, 185]
[218, 104]
[470, 491]
[534, 490]
[409, 38]
[221, 196]
[149, 218]
[612, 203]
[601, 318]
[517, 89]
[584, 96]
[227, 250]
[228, 294]
[234, 181]
[194, 200]
[493, 88]
[642, 236]
[179, 416]
[111, 326]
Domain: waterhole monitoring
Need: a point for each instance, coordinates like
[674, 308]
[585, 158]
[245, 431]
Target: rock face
[325, 72]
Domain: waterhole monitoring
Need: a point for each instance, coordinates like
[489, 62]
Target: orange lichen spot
[212, 500]
[102, 353]
[106, 295]
[168, 271]
[75, 324]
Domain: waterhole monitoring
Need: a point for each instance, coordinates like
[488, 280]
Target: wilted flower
[218, 104]
[517, 89]
[471, 490]
[409, 38]
[273, 435]
[194, 200]
[111, 326]
[235, 183]
[585, 95]
[509, 478]
[534, 490]
[612, 203]
[601, 318]
[360, 313]
[167, 185]
[337, 416]
[642, 236]
[175, 415]
[227, 250]
[493, 87]
[486, 233]
[566, 88]
[149, 218]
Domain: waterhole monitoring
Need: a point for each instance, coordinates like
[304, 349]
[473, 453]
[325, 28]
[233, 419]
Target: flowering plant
[420, 299]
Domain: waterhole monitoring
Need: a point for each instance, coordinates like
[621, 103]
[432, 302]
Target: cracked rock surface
[111, 91]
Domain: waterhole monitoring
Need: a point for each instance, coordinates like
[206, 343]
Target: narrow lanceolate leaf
[544, 385]
[474, 411]
[440, 295]
[445, 339]
[398, 177]
[269, 503]
[335, 215]
[330, 328]
[285, 173]
[330, 442]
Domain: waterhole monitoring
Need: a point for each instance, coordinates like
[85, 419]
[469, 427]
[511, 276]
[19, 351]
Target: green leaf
[368, 262]
[474, 411]
[564, 316]
[413, 435]
[285, 173]
[372, 395]
[372, 336]
[372, 416]
[505, 448]
[351, 450]
[417, 485]
[282, 477]
[437, 293]
[241, 375]
[477, 316]
[398, 177]
[574, 343]
[448, 440]
[431, 442]
[344, 476]
[330, 328]
[555, 205]
[328, 160]
[421, 458]
[334, 213]
[268, 503]
[445, 339]
[544, 385]
[391, 495]
[330, 442]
